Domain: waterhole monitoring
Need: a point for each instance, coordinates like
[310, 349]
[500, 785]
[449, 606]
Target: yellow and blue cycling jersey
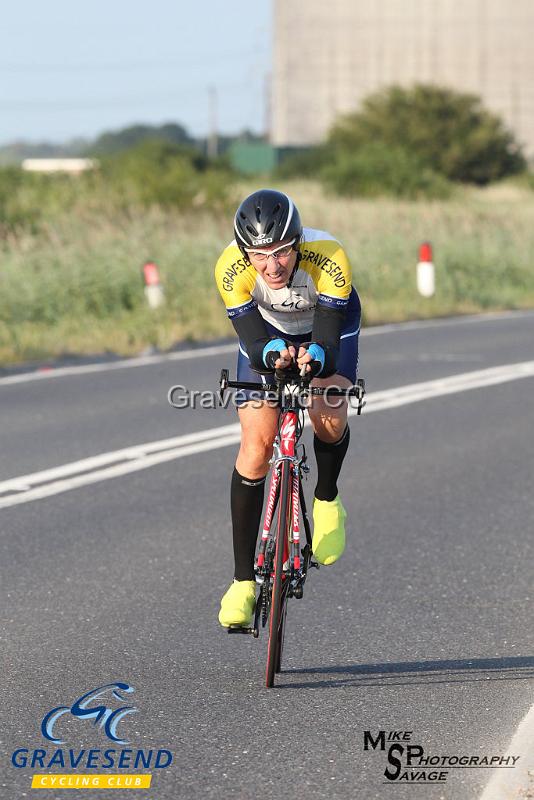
[322, 278]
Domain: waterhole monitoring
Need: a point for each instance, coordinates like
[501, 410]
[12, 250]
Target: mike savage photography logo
[409, 762]
[107, 709]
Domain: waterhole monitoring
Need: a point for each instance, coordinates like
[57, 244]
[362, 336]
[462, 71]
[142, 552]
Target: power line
[122, 66]
[121, 101]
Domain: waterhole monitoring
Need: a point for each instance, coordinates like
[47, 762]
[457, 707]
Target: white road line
[514, 783]
[57, 487]
[36, 486]
[445, 322]
[133, 453]
[412, 393]
[125, 363]
[214, 350]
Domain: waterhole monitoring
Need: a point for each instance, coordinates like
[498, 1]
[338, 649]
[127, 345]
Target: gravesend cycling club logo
[107, 709]
[409, 762]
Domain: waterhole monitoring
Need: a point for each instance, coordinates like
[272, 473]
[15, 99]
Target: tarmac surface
[424, 626]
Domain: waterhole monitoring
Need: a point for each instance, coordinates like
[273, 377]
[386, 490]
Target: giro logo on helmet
[266, 217]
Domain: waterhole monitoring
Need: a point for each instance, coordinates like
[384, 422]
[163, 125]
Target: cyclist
[288, 293]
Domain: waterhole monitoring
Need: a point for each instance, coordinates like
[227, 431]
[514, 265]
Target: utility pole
[267, 107]
[482, 47]
[213, 143]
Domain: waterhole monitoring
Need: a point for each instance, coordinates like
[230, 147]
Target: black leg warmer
[246, 501]
[329, 457]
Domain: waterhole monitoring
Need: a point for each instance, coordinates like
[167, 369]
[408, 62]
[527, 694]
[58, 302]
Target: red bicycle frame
[287, 438]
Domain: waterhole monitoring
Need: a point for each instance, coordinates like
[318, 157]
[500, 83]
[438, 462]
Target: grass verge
[73, 285]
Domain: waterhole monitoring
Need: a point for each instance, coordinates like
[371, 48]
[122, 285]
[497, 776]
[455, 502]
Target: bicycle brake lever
[223, 385]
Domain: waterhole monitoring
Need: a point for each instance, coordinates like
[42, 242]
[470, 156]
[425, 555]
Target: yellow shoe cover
[238, 604]
[328, 540]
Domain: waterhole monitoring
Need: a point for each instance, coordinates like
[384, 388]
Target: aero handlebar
[296, 384]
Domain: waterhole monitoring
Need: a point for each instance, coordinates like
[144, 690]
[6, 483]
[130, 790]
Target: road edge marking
[513, 784]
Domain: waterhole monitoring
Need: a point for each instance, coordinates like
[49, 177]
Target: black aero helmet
[266, 217]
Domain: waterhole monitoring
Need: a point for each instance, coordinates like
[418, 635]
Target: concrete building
[330, 54]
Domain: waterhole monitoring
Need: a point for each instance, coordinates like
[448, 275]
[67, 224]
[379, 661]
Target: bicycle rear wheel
[279, 596]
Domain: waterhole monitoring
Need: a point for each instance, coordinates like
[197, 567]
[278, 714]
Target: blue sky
[72, 69]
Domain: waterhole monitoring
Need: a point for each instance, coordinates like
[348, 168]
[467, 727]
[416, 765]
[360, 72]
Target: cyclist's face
[275, 264]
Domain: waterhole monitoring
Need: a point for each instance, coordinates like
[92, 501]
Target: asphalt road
[425, 625]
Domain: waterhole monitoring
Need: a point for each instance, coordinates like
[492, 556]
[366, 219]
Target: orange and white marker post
[153, 288]
[426, 277]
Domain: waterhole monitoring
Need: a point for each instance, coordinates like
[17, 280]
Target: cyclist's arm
[235, 279]
[327, 325]
[333, 288]
[250, 328]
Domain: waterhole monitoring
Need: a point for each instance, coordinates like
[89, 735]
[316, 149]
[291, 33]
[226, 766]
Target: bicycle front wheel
[281, 633]
[279, 596]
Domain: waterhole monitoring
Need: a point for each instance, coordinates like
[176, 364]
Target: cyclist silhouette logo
[295, 304]
[105, 715]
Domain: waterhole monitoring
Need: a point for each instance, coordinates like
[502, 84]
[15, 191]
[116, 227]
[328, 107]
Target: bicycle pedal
[314, 564]
[241, 629]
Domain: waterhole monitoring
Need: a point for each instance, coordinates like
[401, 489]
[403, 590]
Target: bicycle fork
[294, 565]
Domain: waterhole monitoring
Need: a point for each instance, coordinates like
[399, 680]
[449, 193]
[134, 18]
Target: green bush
[10, 183]
[526, 179]
[376, 169]
[449, 132]
[160, 173]
[124, 139]
[154, 173]
[27, 198]
[306, 163]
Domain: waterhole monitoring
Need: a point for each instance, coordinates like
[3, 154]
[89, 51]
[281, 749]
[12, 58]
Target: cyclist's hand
[304, 358]
[287, 357]
[312, 362]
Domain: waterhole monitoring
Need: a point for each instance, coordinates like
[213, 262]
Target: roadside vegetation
[72, 248]
[412, 143]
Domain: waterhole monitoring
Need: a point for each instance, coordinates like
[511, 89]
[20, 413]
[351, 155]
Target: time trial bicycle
[283, 559]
